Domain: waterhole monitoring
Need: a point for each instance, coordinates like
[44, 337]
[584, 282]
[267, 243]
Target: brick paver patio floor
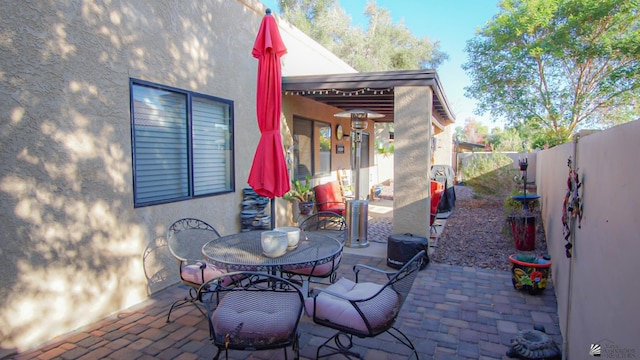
[452, 313]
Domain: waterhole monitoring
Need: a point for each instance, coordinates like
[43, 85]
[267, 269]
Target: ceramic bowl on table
[274, 243]
[293, 235]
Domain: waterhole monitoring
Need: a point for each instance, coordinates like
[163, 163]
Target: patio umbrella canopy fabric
[269, 176]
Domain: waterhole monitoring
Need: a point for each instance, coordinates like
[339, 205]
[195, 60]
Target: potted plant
[529, 272]
[522, 221]
[303, 194]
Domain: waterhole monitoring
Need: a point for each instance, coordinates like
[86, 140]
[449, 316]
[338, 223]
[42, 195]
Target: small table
[243, 251]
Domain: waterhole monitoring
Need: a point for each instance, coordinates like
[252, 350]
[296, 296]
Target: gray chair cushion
[246, 321]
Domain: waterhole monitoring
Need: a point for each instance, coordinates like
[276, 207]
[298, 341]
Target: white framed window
[182, 144]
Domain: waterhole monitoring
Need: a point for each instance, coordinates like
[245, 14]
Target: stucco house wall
[72, 243]
[412, 131]
[444, 146]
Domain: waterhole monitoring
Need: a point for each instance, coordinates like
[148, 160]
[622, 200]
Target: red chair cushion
[329, 198]
[436, 186]
[435, 201]
[336, 209]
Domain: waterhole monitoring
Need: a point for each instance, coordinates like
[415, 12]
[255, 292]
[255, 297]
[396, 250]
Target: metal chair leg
[340, 346]
[400, 336]
[182, 302]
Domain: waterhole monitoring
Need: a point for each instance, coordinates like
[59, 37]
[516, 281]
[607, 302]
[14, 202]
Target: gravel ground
[473, 235]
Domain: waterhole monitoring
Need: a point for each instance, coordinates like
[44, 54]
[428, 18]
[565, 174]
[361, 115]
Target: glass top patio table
[243, 251]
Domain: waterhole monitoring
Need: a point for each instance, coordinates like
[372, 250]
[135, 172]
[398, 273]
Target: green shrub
[512, 207]
[490, 174]
[386, 151]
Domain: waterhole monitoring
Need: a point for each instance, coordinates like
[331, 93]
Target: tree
[473, 131]
[505, 139]
[558, 65]
[382, 46]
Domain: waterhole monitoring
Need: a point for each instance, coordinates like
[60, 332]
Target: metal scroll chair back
[155, 261]
[185, 239]
[260, 312]
[364, 309]
[325, 223]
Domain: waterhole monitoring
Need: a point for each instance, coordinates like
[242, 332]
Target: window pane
[302, 151]
[312, 148]
[323, 159]
[211, 146]
[364, 151]
[160, 145]
[182, 144]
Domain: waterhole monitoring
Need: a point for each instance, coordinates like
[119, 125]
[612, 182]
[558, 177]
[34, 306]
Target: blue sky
[451, 22]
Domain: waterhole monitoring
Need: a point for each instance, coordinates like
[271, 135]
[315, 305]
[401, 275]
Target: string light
[362, 91]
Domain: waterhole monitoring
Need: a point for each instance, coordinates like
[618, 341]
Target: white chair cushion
[193, 273]
[269, 323]
[341, 312]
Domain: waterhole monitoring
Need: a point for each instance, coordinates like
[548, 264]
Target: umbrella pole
[273, 213]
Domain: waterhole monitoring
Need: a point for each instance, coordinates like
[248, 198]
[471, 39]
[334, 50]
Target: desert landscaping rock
[476, 234]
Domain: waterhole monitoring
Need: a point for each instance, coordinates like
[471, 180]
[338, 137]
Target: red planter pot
[523, 229]
[529, 273]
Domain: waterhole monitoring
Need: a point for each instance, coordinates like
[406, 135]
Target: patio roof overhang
[371, 90]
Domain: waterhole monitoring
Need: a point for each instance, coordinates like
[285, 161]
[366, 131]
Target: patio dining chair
[326, 223]
[437, 191]
[329, 198]
[155, 258]
[363, 309]
[185, 239]
[260, 312]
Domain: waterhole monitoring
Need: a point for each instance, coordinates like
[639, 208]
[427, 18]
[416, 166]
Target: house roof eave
[369, 90]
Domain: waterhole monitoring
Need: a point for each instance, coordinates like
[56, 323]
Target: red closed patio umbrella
[268, 176]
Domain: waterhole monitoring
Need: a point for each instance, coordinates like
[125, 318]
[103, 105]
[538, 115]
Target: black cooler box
[402, 247]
